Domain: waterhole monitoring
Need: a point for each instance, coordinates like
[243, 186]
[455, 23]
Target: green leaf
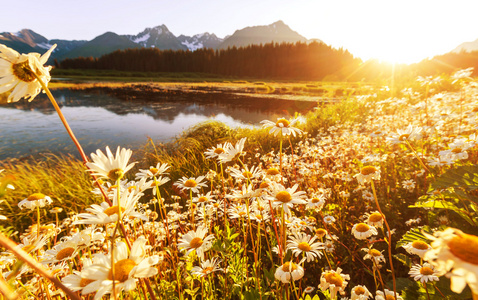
[445, 205]
[462, 176]
[414, 234]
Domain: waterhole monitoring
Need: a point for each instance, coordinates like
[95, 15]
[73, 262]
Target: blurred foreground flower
[127, 269]
[455, 253]
[19, 73]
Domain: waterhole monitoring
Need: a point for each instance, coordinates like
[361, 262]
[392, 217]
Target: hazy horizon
[402, 31]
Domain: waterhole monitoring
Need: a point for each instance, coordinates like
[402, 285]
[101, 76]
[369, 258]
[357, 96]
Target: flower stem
[389, 240]
[22, 255]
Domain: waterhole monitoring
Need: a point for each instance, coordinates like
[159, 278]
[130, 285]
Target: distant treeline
[299, 61]
[304, 61]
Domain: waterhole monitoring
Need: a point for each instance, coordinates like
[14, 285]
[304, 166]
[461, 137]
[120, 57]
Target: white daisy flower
[157, 171]
[360, 292]
[126, 270]
[410, 133]
[363, 231]
[207, 267]
[367, 174]
[285, 197]
[110, 166]
[232, 152]
[417, 247]
[335, 281]
[17, 73]
[191, 183]
[375, 219]
[304, 243]
[282, 126]
[374, 255]
[423, 273]
[289, 271]
[215, 152]
[196, 240]
[104, 213]
[34, 200]
[329, 219]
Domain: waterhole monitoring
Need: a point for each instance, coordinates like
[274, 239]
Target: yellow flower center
[334, 278]
[464, 247]
[315, 200]
[374, 252]
[154, 170]
[35, 197]
[284, 197]
[389, 297]
[289, 267]
[190, 183]
[23, 72]
[282, 123]
[321, 232]
[196, 242]
[202, 199]
[426, 271]
[402, 138]
[115, 174]
[85, 281]
[122, 269]
[207, 270]
[259, 217]
[368, 170]
[247, 174]
[359, 290]
[219, 151]
[375, 217]
[304, 246]
[456, 150]
[420, 245]
[241, 213]
[272, 172]
[362, 227]
[113, 210]
[112, 188]
[64, 253]
[264, 185]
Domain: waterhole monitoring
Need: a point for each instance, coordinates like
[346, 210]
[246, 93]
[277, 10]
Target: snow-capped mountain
[158, 37]
[202, 40]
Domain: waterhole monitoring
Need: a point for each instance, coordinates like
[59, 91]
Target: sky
[395, 31]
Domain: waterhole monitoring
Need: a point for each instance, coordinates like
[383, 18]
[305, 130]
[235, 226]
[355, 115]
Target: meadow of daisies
[383, 207]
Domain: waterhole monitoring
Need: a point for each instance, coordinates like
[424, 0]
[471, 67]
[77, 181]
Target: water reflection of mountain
[167, 106]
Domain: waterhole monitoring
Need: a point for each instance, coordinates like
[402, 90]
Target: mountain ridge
[26, 40]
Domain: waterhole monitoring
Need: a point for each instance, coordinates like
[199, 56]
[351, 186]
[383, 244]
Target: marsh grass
[63, 178]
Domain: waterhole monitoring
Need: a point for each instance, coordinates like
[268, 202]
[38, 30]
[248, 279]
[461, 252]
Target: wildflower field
[373, 197]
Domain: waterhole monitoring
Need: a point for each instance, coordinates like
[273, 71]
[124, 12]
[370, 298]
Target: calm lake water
[99, 120]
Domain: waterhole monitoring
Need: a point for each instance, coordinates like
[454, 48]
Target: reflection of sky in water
[32, 130]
